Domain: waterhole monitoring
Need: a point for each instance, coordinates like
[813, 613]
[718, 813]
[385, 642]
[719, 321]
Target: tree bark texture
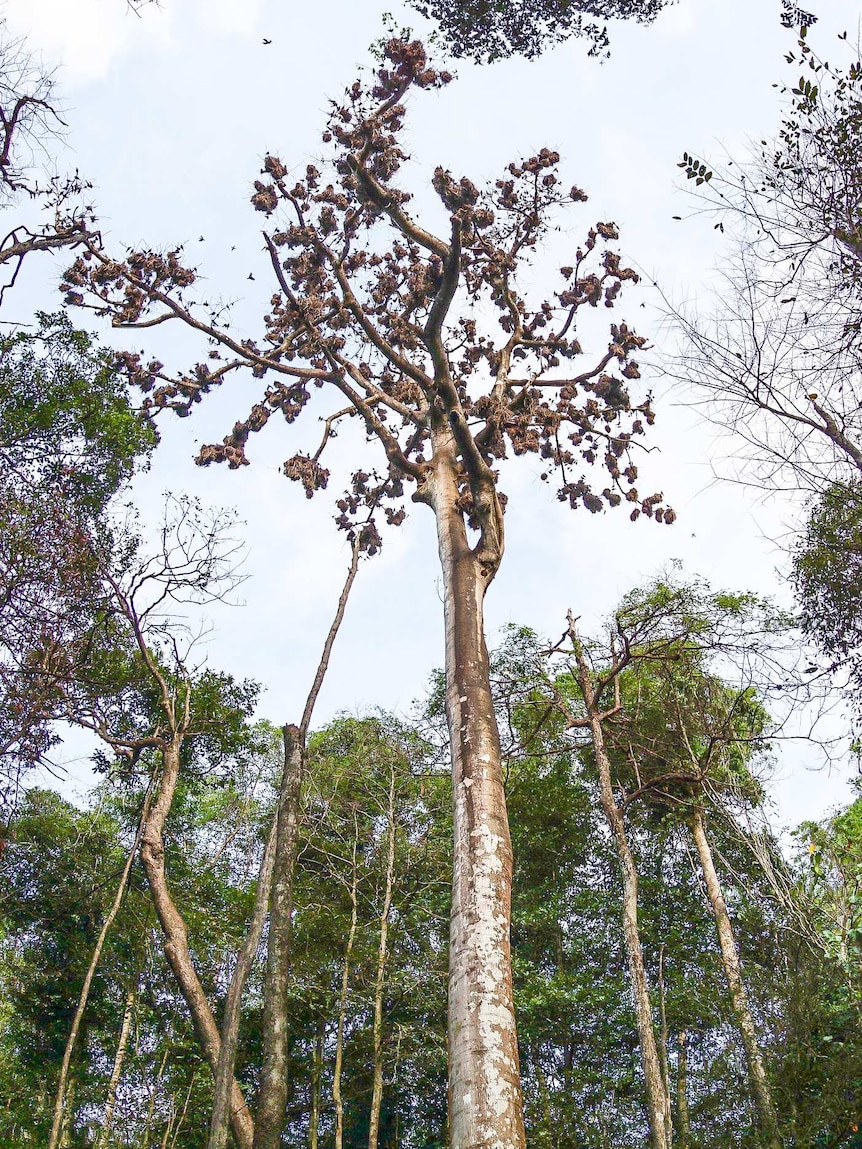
[272, 1092]
[739, 999]
[176, 938]
[658, 1101]
[485, 1105]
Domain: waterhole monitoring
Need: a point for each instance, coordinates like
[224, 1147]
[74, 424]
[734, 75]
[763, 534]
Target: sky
[169, 115]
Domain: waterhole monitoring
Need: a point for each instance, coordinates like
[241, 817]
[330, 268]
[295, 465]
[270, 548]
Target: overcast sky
[169, 116]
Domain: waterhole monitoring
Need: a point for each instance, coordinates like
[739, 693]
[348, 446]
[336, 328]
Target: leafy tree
[668, 735]
[819, 1064]
[69, 441]
[827, 575]
[59, 875]
[488, 30]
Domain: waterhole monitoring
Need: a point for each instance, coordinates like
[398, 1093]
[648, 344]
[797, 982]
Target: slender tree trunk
[544, 1093]
[658, 1101]
[485, 1103]
[382, 955]
[221, 1112]
[66, 1123]
[682, 1091]
[59, 1102]
[316, 1075]
[183, 1112]
[151, 1105]
[342, 1006]
[739, 1000]
[176, 938]
[272, 1093]
[116, 1072]
[663, 1037]
[275, 891]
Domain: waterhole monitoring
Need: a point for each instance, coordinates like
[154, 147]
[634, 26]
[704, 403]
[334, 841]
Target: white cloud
[228, 18]
[88, 36]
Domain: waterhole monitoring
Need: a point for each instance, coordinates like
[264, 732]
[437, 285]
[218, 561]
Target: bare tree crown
[392, 318]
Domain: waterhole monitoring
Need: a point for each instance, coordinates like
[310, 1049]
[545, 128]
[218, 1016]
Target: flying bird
[266, 41]
[250, 275]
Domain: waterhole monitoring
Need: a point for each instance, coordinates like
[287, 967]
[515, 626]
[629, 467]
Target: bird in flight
[266, 41]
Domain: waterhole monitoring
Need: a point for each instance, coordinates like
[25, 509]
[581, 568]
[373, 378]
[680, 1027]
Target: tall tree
[365, 309]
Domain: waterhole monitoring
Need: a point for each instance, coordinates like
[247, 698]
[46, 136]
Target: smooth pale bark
[485, 1105]
[116, 1071]
[382, 956]
[682, 1091]
[342, 1005]
[176, 938]
[658, 1101]
[54, 1138]
[739, 999]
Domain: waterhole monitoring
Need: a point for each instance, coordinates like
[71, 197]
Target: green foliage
[58, 879]
[827, 571]
[69, 439]
[695, 169]
[819, 1069]
[488, 30]
[66, 423]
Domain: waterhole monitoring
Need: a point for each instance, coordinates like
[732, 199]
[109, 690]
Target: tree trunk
[274, 891]
[382, 955]
[485, 1105]
[682, 1092]
[739, 1000]
[316, 1075]
[272, 1093]
[658, 1101]
[151, 1104]
[176, 939]
[342, 1006]
[119, 1058]
[663, 1038]
[221, 1110]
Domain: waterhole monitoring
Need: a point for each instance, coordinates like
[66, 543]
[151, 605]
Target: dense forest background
[549, 902]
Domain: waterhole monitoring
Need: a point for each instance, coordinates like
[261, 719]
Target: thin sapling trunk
[382, 956]
[766, 1115]
[658, 1101]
